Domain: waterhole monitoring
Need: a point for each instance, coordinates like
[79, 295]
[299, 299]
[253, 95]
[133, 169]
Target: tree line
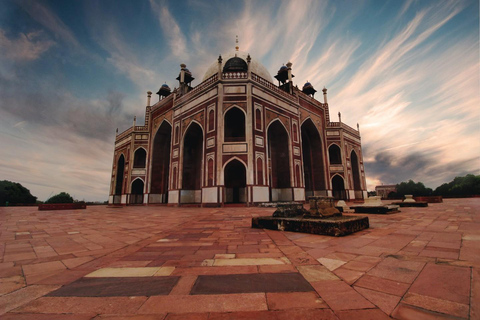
[466, 186]
[13, 193]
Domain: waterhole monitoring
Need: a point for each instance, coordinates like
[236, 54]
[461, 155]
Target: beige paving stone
[247, 262]
[225, 256]
[123, 272]
[331, 264]
[164, 271]
[316, 273]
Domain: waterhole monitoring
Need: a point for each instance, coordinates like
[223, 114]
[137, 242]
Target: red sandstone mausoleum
[236, 138]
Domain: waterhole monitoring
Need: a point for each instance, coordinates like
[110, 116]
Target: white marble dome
[255, 66]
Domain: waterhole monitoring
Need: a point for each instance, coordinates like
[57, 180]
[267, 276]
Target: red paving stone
[421, 263]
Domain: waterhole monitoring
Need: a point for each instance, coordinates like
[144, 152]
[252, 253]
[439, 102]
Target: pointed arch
[140, 157]
[235, 179]
[160, 163]
[192, 163]
[357, 184]
[279, 161]
[137, 189]
[234, 124]
[338, 187]
[334, 154]
[313, 161]
[119, 175]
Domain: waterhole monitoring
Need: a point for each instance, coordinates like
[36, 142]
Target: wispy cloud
[25, 47]
[171, 29]
[50, 21]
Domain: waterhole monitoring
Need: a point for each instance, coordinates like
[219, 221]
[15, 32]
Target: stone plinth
[343, 207]
[409, 198]
[375, 205]
[322, 218]
[383, 209]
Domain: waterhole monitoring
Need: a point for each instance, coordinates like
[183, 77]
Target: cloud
[50, 21]
[26, 47]
[171, 30]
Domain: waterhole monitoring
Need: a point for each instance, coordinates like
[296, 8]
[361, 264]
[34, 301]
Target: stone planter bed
[411, 204]
[61, 206]
[332, 226]
[430, 199]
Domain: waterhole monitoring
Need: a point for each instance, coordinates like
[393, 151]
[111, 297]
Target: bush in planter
[62, 197]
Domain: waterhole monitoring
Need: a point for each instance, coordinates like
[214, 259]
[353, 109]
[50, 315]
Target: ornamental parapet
[344, 127]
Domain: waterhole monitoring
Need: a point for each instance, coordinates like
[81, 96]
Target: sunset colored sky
[71, 72]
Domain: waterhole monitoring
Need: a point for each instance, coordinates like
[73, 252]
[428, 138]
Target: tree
[62, 197]
[415, 189]
[460, 187]
[14, 193]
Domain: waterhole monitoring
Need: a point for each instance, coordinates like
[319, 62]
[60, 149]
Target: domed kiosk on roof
[236, 137]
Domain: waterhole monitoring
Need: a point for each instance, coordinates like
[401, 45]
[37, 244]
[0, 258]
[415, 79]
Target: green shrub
[14, 193]
[62, 197]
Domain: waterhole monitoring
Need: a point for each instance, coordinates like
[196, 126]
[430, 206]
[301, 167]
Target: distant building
[236, 138]
[385, 190]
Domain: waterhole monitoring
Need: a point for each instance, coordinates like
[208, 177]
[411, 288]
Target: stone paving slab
[247, 283]
[421, 263]
[117, 287]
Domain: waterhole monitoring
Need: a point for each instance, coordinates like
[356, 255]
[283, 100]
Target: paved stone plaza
[207, 263]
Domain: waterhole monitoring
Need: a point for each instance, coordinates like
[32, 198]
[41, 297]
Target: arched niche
[234, 125]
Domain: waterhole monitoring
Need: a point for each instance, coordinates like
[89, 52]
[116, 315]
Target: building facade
[385, 191]
[236, 138]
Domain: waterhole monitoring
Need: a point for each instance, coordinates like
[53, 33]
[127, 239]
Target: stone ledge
[411, 204]
[62, 206]
[333, 226]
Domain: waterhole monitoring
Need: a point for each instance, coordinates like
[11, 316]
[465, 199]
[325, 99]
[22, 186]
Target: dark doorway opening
[160, 164]
[357, 185]
[192, 165]
[313, 162]
[136, 197]
[119, 183]
[235, 182]
[279, 163]
[338, 187]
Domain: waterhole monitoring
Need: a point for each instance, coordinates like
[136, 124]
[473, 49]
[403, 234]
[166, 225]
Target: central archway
[160, 164]
[313, 162]
[192, 165]
[235, 176]
[279, 163]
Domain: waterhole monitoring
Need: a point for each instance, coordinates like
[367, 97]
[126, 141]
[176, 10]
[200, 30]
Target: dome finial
[236, 41]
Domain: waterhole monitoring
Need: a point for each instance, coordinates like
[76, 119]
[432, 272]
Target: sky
[71, 72]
